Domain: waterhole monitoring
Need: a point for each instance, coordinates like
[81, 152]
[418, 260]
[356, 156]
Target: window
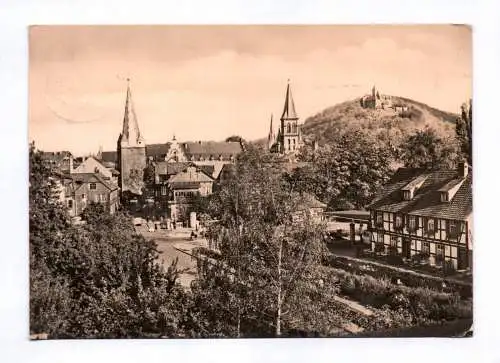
[70, 203]
[380, 238]
[444, 196]
[453, 229]
[406, 195]
[439, 253]
[163, 190]
[288, 129]
[288, 144]
[412, 223]
[398, 221]
[426, 249]
[431, 225]
[379, 222]
[83, 196]
[379, 245]
[93, 186]
[103, 197]
[394, 241]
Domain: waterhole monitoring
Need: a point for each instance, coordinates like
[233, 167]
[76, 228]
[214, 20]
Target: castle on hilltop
[378, 101]
[375, 100]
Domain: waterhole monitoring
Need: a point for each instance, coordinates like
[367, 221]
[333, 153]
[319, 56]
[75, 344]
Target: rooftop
[426, 201]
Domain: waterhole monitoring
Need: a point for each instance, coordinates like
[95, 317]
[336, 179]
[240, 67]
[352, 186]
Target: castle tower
[131, 150]
[271, 138]
[290, 134]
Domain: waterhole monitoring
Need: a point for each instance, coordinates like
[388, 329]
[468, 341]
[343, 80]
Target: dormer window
[444, 197]
[410, 188]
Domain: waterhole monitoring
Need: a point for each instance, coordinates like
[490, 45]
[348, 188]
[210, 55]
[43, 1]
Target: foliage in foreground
[97, 280]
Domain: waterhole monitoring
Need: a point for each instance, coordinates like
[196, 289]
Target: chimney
[463, 169]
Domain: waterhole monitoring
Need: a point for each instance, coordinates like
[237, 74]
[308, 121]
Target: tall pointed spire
[289, 108]
[271, 138]
[131, 134]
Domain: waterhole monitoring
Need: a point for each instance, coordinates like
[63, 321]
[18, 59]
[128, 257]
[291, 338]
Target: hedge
[420, 302]
[408, 278]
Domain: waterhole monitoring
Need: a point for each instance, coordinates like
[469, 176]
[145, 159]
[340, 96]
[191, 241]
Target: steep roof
[190, 175]
[289, 108]
[212, 148]
[91, 165]
[166, 168]
[130, 132]
[200, 148]
[93, 178]
[109, 157]
[426, 200]
[157, 149]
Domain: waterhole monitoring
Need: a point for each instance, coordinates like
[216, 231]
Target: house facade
[425, 214]
[184, 187]
[84, 188]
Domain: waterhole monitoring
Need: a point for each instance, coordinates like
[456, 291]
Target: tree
[426, 149]
[96, 280]
[235, 138]
[346, 173]
[266, 258]
[463, 129]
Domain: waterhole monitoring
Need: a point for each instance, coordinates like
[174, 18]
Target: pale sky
[210, 82]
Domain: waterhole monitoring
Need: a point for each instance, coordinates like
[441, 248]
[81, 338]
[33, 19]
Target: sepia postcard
[250, 181]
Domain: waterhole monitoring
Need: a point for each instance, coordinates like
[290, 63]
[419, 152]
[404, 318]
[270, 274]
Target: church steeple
[271, 138]
[131, 135]
[289, 108]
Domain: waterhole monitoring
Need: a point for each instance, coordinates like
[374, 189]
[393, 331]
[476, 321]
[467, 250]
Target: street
[175, 245]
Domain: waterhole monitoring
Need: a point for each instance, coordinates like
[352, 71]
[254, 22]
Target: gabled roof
[84, 178]
[196, 149]
[157, 149]
[91, 165]
[109, 157]
[166, 168]
[190, 175]
[211, 148]
[426, 200]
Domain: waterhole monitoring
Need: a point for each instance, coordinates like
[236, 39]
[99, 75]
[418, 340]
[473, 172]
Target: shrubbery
[419, 303]
[408, 278]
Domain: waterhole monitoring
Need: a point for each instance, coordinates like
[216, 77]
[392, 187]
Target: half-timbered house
[427, 214]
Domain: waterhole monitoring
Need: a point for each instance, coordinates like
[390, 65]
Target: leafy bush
[419, 302]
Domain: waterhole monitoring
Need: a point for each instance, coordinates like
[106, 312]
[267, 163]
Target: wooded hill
[386, 125]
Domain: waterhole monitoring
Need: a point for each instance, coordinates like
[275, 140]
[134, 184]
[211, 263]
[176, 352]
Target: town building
[179, 169]
[289, 137]
[426, 214]
[92, 166]
[81, 189]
